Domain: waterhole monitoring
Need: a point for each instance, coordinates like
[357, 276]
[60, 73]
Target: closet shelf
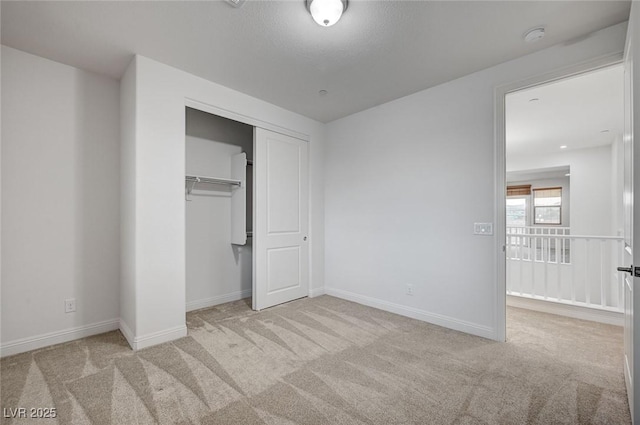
[193, 180]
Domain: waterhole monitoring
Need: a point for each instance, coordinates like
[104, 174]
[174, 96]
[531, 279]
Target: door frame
[500, 92]
[245, 119]
[254, 122]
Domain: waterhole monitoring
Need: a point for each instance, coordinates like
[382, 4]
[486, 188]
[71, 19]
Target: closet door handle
[304, 239]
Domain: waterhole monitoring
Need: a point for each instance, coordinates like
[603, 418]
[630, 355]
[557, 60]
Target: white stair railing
[549, 263]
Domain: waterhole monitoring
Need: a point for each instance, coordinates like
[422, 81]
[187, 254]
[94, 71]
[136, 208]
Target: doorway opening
[564, 206]
[218, 210]
[246, 213]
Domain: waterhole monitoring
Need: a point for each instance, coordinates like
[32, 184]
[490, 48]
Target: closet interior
[218, 198]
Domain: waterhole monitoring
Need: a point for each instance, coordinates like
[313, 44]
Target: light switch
[483, 229]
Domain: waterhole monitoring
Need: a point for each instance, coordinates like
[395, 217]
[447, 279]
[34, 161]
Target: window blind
[548, 196]
[520, 190]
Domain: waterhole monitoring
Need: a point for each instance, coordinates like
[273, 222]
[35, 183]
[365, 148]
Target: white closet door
[281, 219]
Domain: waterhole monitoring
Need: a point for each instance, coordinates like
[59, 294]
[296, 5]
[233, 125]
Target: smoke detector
[534, 34]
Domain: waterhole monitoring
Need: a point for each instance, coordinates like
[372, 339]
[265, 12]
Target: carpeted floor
[329, 361]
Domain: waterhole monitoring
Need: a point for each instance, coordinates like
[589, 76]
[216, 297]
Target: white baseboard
[316, 292]
[160, 337]
[576, 312]
[415, 313]
[220, 299]
[127, 332]
[44, 340]
[155, 338]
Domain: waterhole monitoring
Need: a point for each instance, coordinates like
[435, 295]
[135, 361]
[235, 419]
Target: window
[518, 205]
[517, 211]
[547, 206]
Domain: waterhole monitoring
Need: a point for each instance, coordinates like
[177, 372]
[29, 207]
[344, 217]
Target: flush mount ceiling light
[534, 34]
[563, 147]
[326, 12]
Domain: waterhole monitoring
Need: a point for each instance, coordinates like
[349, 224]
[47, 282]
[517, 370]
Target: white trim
[52, 338]
[574, 311]
[316, 292]
[159, 337]
[219, 299]
[155, 338]
[415, 313]
[225, 113]
[500, 317]
[500, 217]
[128, 334]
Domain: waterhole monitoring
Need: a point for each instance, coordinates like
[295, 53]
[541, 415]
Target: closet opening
[219, 210]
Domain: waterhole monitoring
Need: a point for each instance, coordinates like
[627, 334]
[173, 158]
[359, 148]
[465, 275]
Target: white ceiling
[572, 112]
[379, 51]
[539, 174]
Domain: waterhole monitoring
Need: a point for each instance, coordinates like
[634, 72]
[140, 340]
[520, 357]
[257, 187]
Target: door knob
[634, 271]
[304, 239]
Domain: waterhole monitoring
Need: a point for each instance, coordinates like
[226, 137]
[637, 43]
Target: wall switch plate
[409, 289]
[70, 305]
[483, 229]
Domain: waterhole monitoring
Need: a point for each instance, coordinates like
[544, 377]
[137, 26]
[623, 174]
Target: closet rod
[249, 162]
[212, 180]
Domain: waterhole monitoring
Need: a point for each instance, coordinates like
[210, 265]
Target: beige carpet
[329, 361]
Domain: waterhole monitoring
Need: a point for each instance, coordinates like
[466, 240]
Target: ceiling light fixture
[323, 92]
[563, 147]
[326, 12]
[534, 34]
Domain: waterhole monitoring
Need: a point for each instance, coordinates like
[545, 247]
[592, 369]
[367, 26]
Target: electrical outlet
[409, 289]
[70, 305]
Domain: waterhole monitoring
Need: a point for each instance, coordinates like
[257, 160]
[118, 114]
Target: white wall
[406, 180]
[159, 231]
[591, 196]
[217, 271]
[60, 201]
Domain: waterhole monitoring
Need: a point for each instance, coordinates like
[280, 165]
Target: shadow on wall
[97, 197]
